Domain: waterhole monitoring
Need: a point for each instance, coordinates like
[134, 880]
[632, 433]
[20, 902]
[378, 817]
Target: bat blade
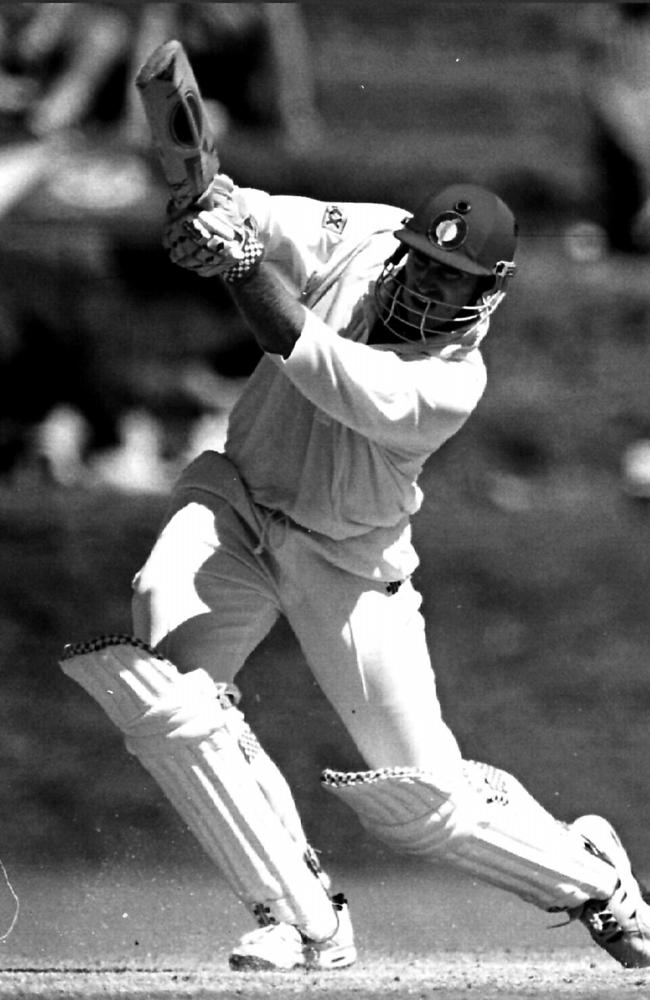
[179, 123]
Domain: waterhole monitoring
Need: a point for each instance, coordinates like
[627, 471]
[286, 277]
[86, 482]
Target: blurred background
[115, 369]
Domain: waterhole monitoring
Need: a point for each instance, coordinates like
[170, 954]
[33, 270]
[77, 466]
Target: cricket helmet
[465, 227]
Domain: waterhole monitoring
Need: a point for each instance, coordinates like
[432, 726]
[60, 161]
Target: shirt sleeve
[304, 237]
[411, 403]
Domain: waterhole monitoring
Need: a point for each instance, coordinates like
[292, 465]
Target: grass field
[510, 975]
[128, 932]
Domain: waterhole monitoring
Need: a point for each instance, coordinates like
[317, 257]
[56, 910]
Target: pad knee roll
[188, 734]
[489, 826]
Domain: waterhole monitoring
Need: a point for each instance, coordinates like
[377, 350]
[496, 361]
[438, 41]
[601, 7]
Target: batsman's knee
[405, 809]
[487, 824]
[145, 695]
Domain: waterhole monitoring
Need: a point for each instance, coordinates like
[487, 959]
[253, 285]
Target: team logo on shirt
[448, 231]
[334, 219]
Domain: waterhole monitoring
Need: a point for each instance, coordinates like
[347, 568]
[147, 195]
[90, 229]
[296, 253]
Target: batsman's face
[446, 287]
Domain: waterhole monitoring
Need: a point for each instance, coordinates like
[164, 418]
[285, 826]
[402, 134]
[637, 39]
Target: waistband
[377, 555]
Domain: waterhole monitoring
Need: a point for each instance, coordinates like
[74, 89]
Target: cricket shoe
[282, 947]
[620, 924]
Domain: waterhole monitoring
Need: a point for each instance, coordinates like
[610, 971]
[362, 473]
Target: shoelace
[595, 915]
[602, 922]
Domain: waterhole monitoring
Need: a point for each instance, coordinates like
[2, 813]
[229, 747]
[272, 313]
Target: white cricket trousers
[219, 577]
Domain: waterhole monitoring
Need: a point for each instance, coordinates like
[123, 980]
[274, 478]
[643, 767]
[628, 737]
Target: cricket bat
[179, 123]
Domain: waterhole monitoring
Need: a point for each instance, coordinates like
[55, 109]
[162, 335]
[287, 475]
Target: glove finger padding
[213, 228]
[209, 245]
[184, 250]
[215, 237]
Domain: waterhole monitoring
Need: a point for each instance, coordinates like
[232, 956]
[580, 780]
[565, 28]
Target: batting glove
[216, 239]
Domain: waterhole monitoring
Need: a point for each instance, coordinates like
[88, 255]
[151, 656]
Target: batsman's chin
[425, 313]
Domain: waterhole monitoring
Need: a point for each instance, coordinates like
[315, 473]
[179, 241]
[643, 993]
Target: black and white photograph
[324, 500]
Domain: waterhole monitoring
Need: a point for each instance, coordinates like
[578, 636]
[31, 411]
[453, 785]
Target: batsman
[370, 319]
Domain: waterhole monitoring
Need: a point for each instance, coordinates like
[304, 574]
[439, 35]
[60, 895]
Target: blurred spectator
[59, 57]
[615, 54]
[636, 471]
[73, 135]
[254, 60]
[67, 65]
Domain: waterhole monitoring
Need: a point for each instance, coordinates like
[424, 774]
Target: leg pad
[188, 734]
[489, 825]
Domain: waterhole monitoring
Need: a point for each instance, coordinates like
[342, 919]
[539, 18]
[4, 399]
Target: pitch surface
[423, 933]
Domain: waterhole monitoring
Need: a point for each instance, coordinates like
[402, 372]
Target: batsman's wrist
[248, 265]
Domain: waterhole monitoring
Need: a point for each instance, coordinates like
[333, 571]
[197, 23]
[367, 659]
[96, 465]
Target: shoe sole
[250, 963]
[247, 963]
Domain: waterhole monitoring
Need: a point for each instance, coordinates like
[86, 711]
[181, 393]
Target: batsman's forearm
[274, 316]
